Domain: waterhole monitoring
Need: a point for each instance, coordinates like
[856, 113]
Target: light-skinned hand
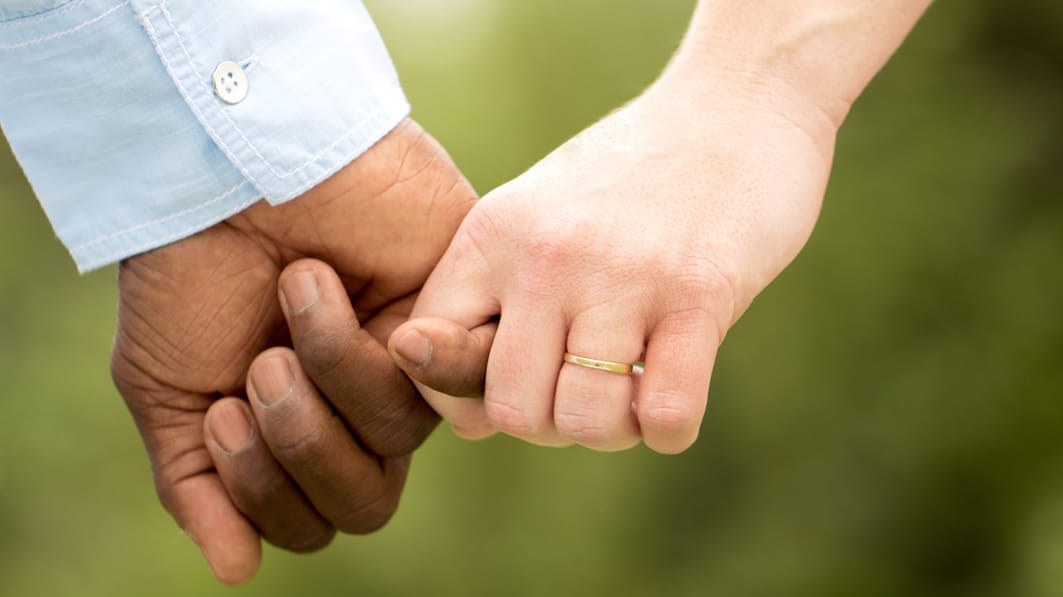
[647, 235]
[644, 238]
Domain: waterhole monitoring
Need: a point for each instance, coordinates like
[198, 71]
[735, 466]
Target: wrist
[807, 62]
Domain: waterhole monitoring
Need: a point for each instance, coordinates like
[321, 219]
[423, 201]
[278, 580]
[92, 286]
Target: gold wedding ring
[610, 366]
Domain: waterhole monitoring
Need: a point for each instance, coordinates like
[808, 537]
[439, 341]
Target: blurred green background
[885, 420]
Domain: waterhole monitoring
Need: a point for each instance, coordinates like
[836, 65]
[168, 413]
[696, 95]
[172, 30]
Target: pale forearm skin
[648, 234]
[810, 59]
[748, 77]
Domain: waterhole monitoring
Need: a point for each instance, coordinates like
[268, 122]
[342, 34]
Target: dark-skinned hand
[193, 315]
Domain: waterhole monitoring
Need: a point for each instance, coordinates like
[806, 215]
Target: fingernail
[415, 347]
[230, 427]
[272, 380]
[299, 291]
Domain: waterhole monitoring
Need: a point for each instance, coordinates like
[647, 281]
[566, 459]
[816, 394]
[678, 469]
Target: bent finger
[203, 510]
[523, 369]
[354, 490]
[350, 367]
[171, 425]
[459, 291]
[257, 484]
[593, 407]
[675, 384]
[444, 355]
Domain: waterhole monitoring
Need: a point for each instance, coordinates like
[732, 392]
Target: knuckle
[252, 495]
[299, 443]
[668, 413]
[400, 430]
[302, 538]
[478, 233]
[552, 249]
[323, 352]
[583, 426]
[706, 285]
[547, 250]
[706, 289]
[309, 541]
[511, 420]
[369, 516]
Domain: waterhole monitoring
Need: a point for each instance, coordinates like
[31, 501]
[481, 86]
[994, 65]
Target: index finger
[458, 292]
[351, 368]
[443, 355]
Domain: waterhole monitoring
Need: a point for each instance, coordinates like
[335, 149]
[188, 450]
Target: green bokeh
[884, 421]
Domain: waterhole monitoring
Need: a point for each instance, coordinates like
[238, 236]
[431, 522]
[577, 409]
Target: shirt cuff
[130, 142]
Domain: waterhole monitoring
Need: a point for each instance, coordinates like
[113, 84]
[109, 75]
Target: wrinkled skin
[193, 315]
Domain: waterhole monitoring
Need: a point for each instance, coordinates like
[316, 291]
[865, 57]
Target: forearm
[811, 58]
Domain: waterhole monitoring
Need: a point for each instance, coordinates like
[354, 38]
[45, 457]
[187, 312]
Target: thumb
[444, 356]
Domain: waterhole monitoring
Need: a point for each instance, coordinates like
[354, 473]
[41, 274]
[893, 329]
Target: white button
[230, 82]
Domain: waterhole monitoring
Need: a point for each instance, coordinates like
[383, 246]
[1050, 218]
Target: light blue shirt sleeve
[113, 111]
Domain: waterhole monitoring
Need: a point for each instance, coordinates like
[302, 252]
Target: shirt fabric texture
[110, 108]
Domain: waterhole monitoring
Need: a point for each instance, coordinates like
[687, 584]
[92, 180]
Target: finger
[351, 368]
[257, 484]
[444, 355]
[202, 508]
[674, 387]
[171, 425]
[388, 319]
[458, 290]
[593, 407]
[522, 372]
[354, 490]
